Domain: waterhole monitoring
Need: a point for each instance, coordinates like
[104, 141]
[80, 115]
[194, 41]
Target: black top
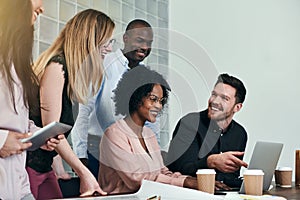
[196, 137]
[41, 160]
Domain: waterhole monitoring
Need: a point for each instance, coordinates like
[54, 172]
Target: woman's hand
[89, 185]
[13, 145]
[52, 143]
[190, 182]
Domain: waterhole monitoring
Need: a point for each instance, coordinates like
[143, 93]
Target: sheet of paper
[251, 197]
[165, 191]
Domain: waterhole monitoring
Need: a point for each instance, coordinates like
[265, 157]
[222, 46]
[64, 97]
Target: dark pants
[93, 165]
[70, 188]
[93, 154]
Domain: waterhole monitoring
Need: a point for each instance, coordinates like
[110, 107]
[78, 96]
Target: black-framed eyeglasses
[154, 99]
[111, 42]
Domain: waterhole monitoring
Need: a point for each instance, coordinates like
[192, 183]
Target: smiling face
[222, 103]
[150, 107]
[137, 43]
[37, 6]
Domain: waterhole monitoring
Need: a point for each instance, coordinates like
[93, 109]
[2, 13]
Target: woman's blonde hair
[80, 43]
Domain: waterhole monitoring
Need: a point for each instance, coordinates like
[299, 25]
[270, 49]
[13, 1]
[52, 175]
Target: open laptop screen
[265, 156]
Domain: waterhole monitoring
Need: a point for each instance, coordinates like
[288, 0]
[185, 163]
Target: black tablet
[41, 136]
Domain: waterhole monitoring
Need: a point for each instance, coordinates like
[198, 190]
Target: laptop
[265, 156]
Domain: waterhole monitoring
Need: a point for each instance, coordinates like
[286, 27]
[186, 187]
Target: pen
[155, 197]
[152, 198]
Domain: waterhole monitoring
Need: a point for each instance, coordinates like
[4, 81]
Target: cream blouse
[124, 163]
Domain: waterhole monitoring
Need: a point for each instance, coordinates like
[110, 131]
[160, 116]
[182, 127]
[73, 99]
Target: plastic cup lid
[284, 169]
[206, 171]
[253, 172]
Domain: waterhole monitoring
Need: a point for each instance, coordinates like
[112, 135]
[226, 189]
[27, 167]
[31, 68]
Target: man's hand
[13, 145]
[221, 186]
[227, 162]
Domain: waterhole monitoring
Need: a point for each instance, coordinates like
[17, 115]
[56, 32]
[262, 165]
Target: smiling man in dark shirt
[211, 138]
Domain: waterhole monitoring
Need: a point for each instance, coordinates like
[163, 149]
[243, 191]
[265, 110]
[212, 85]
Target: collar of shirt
[213, 126]
[122, 58]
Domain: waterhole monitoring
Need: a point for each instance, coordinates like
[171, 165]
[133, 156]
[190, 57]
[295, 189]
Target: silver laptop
[265, 156]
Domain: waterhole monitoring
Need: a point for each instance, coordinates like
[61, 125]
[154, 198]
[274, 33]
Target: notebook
[265, 156]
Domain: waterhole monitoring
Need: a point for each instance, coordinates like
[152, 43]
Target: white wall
[255, 40]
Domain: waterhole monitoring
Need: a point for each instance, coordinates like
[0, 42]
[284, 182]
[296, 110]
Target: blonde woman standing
[68, 71]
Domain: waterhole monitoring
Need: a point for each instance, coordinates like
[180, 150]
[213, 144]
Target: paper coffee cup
[277, 178]
[206, 180]
[253, 181]
[285, 176]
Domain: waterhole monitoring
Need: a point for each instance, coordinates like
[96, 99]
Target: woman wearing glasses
[129, 151]
[68, 71]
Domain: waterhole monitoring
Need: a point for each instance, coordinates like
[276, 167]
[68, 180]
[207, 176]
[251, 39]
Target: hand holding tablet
[41, 136]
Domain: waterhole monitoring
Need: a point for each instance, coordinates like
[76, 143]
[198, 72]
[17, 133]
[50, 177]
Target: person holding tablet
[17, 92]
[68, 71]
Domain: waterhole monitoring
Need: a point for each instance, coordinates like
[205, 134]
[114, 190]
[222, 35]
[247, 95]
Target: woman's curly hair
[134, 85]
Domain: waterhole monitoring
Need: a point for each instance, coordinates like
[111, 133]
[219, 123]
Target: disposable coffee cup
[253, 181]
[206, 180]
[284, 176]
[277, 179]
